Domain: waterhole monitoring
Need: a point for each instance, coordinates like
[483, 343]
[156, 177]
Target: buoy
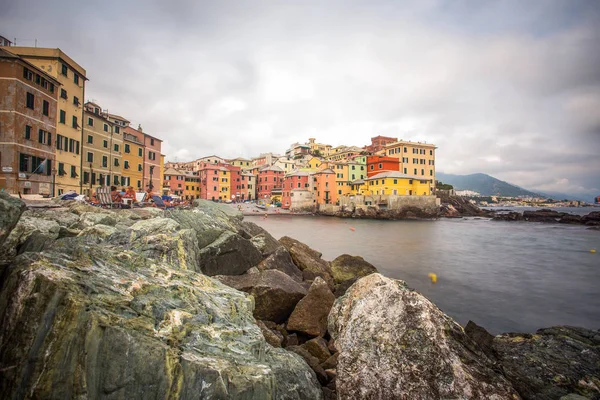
[592, 251]
[433, 277]
[352, 229]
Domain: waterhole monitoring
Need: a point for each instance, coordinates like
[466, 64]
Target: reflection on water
[505, 276]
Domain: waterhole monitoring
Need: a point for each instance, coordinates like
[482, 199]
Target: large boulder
[11, 209]
[282, 261]
[310, 314]
[230, 254]
[396, 344]
[275, 294]
[28, 234]
[118, 318]
[551, 363]
[308, 261]
[347, 269]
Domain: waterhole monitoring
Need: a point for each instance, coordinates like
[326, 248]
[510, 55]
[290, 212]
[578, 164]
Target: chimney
[139, 128]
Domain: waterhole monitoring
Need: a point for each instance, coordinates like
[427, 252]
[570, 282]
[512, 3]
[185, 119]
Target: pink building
[174, 181]
[293, 181]
[210, 187]
[151, 161]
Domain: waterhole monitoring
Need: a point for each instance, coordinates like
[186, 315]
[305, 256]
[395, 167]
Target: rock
[154, 226]
[208, 220]
[275, 294]
[230, 254]
[573, 396]
[341, 288]
[331, 362]
[591, 219]
[102, 319]
[274, 338]
[91, 218]
[308, 261]
[79, 208]
[282, 261]
[312, 362]
[544, 215]
[570, 219]
[260, 238]
[510, 216]
[318, 348]
[329, 394]
[331, 374]
[551, 363]
[291, 340]
[100, 231]
[481, 337]
[66, 232]
[350, 268]
[394, 343]
[44, 231]
[310, 314]
[63, 217]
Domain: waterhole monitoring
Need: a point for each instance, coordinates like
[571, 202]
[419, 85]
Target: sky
[508, 88]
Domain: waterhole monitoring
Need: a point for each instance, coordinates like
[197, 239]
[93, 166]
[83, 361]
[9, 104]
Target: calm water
[570, 210]
[504, 276]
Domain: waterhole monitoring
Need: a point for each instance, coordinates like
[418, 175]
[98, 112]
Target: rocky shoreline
[199, 303]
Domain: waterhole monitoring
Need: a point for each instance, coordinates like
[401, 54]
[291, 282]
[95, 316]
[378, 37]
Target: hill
[484, 184]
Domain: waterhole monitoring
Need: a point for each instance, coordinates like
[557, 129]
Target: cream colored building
[69, 127]
[416, 159]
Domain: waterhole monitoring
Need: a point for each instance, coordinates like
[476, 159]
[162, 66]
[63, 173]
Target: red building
[294, 180]
[174, 182]
[269, 182]
[378, 142]
[236, 182]
[210, 187]
[378, 164]
[597, 200]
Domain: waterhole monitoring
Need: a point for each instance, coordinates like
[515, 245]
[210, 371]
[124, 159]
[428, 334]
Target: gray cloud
[508, 88]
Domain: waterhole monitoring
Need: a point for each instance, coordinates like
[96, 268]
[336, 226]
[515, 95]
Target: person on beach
[115, 195]
[130, 193]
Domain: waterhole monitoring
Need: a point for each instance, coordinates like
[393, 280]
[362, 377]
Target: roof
[115, 116]
[172, 171]
[396, 174]
[271, 168]
[358, 182]
[325, 171]
[409, 143]
[298, 173]
[4, 53]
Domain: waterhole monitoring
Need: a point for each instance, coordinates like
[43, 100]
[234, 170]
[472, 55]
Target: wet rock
[282, 261]
[591, 219]
[570, 219]
[543, 215]
[510, 216]
[230, 254]
[310, 314]
[275, 294]
[318, 348]
[308, 261]
[551, 363]
[394, 343]
[480, 336]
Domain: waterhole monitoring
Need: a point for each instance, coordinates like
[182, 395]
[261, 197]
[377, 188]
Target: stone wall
[302, 201]
[390, 202]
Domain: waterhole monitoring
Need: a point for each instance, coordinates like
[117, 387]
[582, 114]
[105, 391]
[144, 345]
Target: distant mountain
[485, 185]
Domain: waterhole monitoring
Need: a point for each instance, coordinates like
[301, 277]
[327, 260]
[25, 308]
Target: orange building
[379, 164]
[325, 187]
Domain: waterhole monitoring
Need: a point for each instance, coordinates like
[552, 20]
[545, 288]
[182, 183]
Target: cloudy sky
[509, 88]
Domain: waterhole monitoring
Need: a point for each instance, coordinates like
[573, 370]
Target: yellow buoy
[433, 277]
[592, 251]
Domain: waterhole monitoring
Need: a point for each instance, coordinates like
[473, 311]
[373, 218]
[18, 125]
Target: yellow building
[319, 148]
[344, 153]
[241, 162]
[286, 164]
[225, 184]
[396, 183]
[192, 185]
[133, 158]
[102, 150]
[416, 159]
[69, 127]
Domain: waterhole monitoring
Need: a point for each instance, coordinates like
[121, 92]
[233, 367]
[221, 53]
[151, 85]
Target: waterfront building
[378, 143]
[235, 186]
[28, 108]
[225, 176]
[325, 187]
[199, 163]
[297, 150]
[191, 187]
[597, 200]
[152, 152]
[68, 118]
[269, 182]
[102, 150]
[379, 164]
[174, 182]
[416, 158]
[248, 189]
[292, 183]
[398, 184]
[133, 157]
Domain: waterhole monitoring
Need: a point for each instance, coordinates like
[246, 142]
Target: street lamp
[53, 180]
[151, 186]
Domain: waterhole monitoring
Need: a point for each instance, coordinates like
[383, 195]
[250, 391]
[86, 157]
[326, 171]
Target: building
[286, 164]
[152, 152]
[197, 164]
[5, 42]
[597, 200]
[269, 181]
[342, 153]
[240, 162]
[416, 158]
[102, 150]
[297, 150]
[318, 149]
[235, 182]
[294, 182]
[378, 143]
[174, 182]
[191, 185]
[28, 108]
[398, 184]
[379, 164]
[69, 127]
[325, 187]
[248, 189]
[210, 184]
[133, 157]
[265, 159]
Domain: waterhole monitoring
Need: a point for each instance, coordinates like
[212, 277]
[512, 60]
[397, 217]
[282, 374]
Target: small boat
[261, 206]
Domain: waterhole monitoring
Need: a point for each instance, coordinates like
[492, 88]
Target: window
[105, 127]
[430, 152]
[90, 139]
[422, 172]
[64, 70]
[27, 132]
[139, 167]
[395, 181]
[430, 172]
[61, 169]
[76, 78]
[405, 150]
[415, 171]
[75, 100]
[127, 149]
[139, 184]
[141, 153]
[90, 121]
[116, 147]
[152, 156]
[62, 116]
[105, 161]
[116, 180]
[380, 165]
[117, 130]
[151, 142]
[372, 167]
[75, 125]
[45, 108]
[116, 162]
[34, 165]
[126, 165]
[63, 94]
[44, 137]
[90, 157]
[105, 144]
[30, 100]
[74, 172]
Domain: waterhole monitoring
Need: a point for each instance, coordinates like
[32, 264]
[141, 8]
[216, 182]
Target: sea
[504, 276]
